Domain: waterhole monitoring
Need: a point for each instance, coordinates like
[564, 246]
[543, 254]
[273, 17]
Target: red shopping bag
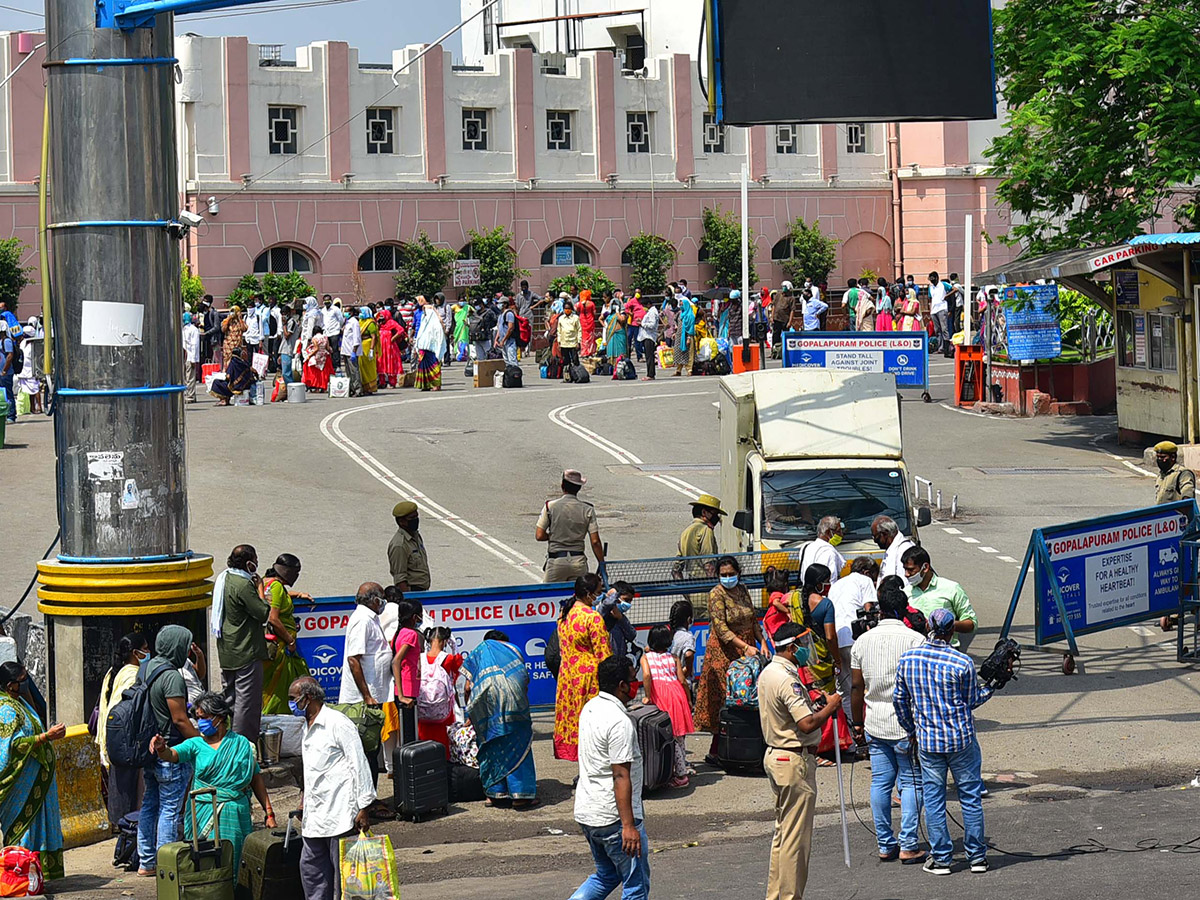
[20, 873]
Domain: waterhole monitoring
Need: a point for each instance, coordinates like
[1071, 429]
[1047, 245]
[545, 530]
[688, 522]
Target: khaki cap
[711, 502]
[1166, 447]
[404, 508]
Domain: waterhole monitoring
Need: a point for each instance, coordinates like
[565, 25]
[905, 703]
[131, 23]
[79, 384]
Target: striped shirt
[876, 655]
[936, 691]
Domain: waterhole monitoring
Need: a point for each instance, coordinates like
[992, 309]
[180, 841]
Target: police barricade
[905, 354]
[1104, 573]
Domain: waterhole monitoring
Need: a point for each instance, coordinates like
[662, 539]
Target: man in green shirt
[850, 301]
[928, 592]
[239, 621]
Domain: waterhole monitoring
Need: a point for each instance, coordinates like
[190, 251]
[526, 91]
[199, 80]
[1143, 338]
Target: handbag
[258, 362]
[367, 719]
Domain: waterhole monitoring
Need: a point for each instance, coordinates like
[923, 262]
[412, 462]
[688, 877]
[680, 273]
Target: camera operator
[873, 662]
[887, 537]
[929, 591]
[848, 595]
[935, 695]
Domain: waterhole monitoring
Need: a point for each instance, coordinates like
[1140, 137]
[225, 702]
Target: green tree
[424, 268]
[287, 287]
[1103, 123]
[814, 254]
[248, 287]
[497, 260]
[651, 257]
[722, 242]
[191, 287]
[583, 277]
[13, 276]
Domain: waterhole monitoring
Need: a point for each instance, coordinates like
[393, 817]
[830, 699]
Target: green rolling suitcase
[270, 867]
[199, 869]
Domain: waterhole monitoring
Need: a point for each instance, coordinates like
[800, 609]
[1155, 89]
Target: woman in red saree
[318, 364]
[390, 363]
[587, 323]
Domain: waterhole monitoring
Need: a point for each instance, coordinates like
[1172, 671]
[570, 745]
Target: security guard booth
[1150, 393]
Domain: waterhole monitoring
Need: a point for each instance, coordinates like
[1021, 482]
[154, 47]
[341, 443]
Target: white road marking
[966, 412]
[951, 531]
[559, 417]
[968, 540]
[989, 550]
[1121, 459]
[1007, 559]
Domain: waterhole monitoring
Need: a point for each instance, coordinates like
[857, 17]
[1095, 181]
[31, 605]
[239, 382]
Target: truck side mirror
[742, 521]
[924, 516]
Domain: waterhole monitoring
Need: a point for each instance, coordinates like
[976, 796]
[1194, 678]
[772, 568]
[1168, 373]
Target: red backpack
[524, 332]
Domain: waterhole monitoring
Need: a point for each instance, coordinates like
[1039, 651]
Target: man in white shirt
[873, 662]
[850, 594]
[351, 348]
[822, 550]
[939, 311]
[608, 797]
[191, 357]
[888, 538]
[332, 320]
[254, 325]
[367, 667]
[337, 787]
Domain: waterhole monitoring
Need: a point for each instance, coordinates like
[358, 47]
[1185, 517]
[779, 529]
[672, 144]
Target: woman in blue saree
[29, 814]
[498, 707]
[224, 761]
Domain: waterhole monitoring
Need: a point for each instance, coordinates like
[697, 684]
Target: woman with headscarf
[586, 310]
[616, 340]
[388, 360]
[223, 761]
[234, 326]
[29, 812]
[685, 336]
[431, 347]
[239, 377]
[462, 331]
[318, 364]
[865, 311]
[498, 707]
[367, 367]
[122, 780]
[309, 320]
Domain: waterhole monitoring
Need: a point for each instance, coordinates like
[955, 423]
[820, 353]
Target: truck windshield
[793, 502]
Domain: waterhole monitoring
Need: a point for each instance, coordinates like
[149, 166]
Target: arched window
[782, 249]
[381, 258]
[702, 253]
[626, 257]
[281, 260]
[566, 253]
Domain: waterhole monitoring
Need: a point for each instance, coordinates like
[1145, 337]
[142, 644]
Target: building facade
[326, 164]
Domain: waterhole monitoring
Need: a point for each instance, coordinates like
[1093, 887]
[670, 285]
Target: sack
[464, 748]
[368, 868]
[132, 723]
[708, 349]
[23, 404]
[626, 371]
[666, 357]
[435, 703]
[579, 375]
[513, 377]
[741, 681]
[368, 721]
[339, 386]
[279, 392]
[20, 873]
[554, 367]
[603, 370]
[258, 362]
[524, 331]
[125, 855]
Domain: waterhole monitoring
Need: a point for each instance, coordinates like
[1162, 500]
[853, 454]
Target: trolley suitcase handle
[216, 823]
[294, 814]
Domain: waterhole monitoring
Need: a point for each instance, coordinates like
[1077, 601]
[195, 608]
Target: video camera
[1002, 664]
[865, 621]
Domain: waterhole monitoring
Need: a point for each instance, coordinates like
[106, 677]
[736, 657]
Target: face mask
[251, 567]
[802, 656]
[914, 580]
[295, 708]
[1164, 465]
[729, 581]
[206, 727]
[139, 655]
[878, 539]
[835, 540]
[624, 607]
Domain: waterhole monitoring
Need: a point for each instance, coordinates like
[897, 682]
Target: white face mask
[914, 580]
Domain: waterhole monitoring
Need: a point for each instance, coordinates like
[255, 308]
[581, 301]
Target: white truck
[799, 444]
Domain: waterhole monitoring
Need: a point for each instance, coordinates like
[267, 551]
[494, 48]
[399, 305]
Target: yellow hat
[1166, 447]
[404, 508]
[709, 501]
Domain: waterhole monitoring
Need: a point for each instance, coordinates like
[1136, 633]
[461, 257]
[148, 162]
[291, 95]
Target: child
[683, 642]
[778, 611]
[440, 642]
[406, 665]
[614, 607]
[664, 688]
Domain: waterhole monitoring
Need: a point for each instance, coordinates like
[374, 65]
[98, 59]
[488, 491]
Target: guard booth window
[1147, 340]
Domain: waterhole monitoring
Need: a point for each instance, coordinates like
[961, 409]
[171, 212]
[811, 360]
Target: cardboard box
[485, 371]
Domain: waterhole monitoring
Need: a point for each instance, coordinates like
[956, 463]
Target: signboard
[1104, 573]
[466, 272]
[1139, 339]
[1033, 329]
[1125, 251]
[564, 254]
[1125, 284]
[903, 353]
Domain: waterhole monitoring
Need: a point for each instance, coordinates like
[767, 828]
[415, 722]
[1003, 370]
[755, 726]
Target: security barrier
[80, 801]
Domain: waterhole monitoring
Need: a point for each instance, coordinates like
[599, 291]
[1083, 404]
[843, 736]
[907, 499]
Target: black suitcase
[740, 744]
[422, 779]
[270, 864]
[578, 374]
[513, 377]
[657, 740]
[465, 784]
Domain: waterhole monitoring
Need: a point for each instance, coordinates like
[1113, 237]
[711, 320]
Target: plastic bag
[368, 868]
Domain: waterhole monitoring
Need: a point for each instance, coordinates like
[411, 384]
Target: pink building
[325, 164]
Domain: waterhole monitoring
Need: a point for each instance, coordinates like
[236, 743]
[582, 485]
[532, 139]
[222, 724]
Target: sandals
[522, 805]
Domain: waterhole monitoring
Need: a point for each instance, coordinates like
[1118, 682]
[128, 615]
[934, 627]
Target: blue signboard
[564, 254]
[1032, 327]
[1104, 573]
[903, 353]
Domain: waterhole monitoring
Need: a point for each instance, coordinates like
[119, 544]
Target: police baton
[837, 756]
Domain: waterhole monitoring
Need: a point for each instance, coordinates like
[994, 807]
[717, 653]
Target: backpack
[524, 331]
[554, 367]
[512, 377]
[272, 325]
[553, 655]
[720, 365]
[604, 369]
[578, 374]
[132, 723]
[741, 682]
[625, 371]
[436, 700]
[18, 360]
[473, 327]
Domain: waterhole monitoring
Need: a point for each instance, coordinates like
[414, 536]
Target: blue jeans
[10, 397]
[631, 338]
[613, 867]
[510, 352]
[965, 764]
[162, 808]
[890, 761]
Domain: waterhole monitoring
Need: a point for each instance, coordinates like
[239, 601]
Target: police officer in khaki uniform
[1174, 481]
[407, 558]
[792, 730]
[699, 538]
[565, 524]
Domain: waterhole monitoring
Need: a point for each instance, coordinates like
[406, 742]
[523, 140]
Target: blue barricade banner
[903, 353]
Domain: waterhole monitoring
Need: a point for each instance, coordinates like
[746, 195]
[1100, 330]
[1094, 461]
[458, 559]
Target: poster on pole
[466, 272]
[1032, 326]
[903, 353]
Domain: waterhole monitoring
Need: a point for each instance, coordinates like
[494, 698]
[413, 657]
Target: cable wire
[12, 612]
